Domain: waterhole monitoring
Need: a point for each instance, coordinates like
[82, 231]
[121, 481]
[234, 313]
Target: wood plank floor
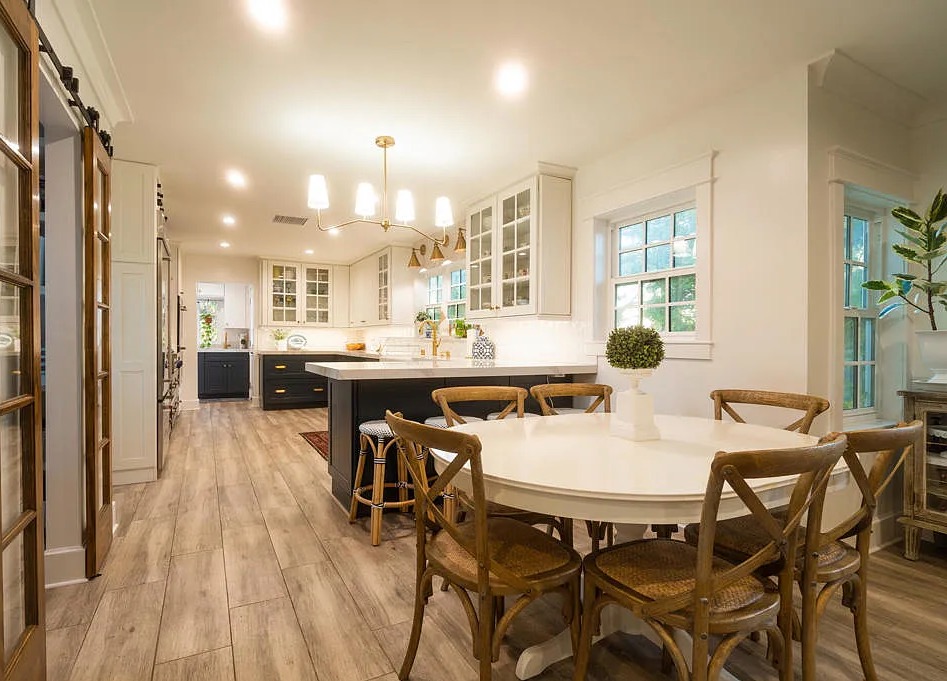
[238, 565]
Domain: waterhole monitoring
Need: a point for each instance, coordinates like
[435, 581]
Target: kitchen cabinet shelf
[518, 247]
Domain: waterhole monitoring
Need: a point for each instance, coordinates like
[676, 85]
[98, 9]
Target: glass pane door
[98, 374]
[284, 292]
[480, 252]
[935, 467]
[515, 239]
[317, 295]
[383, 288]
[21, 465]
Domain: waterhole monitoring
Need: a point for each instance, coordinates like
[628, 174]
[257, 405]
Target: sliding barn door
[98, 368]
[22, 630]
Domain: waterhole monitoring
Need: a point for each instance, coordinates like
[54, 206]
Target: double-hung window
[435, 296]
[457, 295]
[655, 271]
[860, 316]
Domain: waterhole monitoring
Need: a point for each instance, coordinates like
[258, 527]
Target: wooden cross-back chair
[810, 405]
[547, 392]
[513, 396]
[515, 399]
[490, 558]
[832, 564]
[674, 585]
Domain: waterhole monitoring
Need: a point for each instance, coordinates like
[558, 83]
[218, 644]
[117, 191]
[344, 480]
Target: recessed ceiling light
[236, 179]
[229, 220]
[334, 231]
[225, 244]
[309, 251]
[511, 79]
[269, 14]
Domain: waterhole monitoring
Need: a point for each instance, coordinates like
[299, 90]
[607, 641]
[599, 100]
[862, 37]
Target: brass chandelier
[366, 200]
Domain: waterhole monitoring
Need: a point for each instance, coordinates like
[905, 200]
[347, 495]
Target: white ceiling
[209, 90]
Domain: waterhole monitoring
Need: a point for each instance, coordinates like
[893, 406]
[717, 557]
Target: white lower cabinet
[519, 249]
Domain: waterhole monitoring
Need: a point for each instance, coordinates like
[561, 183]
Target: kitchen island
[360, 392]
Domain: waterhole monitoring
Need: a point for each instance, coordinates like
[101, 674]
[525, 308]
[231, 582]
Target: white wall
[758, 247]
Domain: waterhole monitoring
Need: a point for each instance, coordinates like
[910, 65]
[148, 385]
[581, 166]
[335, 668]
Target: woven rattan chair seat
[737, 539]
[526, 551]
[655, 569]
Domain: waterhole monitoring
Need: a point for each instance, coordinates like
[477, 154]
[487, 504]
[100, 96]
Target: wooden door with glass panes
[22, 634]
[317, 295]
[98, 366]
[515, 274]
[480, 261]
[284, 289]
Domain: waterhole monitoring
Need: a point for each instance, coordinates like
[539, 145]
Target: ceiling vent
[289, 220]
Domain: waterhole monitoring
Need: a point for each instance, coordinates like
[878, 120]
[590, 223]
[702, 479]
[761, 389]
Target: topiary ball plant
[634, 347]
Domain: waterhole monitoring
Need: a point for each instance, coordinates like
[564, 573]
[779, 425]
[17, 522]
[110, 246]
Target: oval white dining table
[579, 466]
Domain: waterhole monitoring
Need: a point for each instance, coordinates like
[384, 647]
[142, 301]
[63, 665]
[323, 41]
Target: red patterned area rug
[319, 441]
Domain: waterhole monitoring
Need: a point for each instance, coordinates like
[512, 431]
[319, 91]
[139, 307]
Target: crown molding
[74, 32]
[838, 73]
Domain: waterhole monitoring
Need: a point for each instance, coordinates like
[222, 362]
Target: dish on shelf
[938, 432]
[296, 341]
[6, 341]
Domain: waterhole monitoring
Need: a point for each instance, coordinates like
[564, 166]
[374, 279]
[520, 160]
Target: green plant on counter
[634, 347]
[280, 334]
[460, 328]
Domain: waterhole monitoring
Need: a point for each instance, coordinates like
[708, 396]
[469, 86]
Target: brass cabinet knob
[280, 391]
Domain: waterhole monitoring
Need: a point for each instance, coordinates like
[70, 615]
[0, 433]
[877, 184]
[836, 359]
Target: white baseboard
[886, 531]
[65, 566]
[190, 405]
[134, 476]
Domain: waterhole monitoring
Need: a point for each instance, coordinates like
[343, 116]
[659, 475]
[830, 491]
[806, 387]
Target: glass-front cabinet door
[384, 309]
[284, 293]
[516, 235]
[317, 294]
[932, 473]
[480, 261]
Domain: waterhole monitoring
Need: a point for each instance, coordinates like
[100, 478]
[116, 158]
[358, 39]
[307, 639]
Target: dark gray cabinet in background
[223, 374]
[285, 383]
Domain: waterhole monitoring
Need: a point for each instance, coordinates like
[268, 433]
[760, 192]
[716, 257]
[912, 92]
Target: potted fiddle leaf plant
[923, 289]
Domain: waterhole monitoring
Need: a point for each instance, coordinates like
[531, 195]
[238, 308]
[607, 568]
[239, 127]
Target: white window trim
[690, 181]
[876, 226]
[448, 286]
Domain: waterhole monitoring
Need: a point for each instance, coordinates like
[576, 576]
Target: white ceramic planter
[933, 350]
[281, 344]
[634, 409]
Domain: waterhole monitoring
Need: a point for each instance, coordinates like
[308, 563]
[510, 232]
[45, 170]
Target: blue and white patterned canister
[484, 348]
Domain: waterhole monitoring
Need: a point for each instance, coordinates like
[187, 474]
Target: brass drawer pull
[280, 366]
[280, 391]
[318, 390]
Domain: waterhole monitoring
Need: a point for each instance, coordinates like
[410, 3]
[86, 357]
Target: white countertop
[443, 368]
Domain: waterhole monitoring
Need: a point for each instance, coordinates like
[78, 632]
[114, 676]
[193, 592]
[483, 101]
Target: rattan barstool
[377, 437]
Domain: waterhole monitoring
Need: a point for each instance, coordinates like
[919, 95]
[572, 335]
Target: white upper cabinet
[236, 306]
[297, 293]
[519, 250]
[381, 289]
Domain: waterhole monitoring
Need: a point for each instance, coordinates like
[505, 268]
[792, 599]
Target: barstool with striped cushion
[441, 421]
[376, 437]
